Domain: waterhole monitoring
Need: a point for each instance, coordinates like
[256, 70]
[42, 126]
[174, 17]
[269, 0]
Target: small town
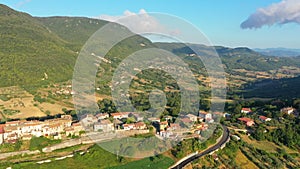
[59, 128]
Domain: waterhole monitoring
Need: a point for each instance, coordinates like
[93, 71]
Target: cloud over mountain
[137, 22]
[286, 11]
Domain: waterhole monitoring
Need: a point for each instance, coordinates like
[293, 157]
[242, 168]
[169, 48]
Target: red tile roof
[164, 123]
[115, 114]
[174, 125]
[12, 122]
[127, 125]
[263, 117]
[105, 122]
[76, 124]
[245, 119]
[101, 115]
[186, 120]
[246, 109]
[140, 124]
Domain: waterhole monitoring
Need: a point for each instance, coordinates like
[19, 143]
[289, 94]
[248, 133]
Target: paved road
[207, 151]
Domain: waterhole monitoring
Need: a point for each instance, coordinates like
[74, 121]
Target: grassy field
[266, 145]
[94, 158]
[19, 146]
[38, 143]
[157, 163]
[243, 162]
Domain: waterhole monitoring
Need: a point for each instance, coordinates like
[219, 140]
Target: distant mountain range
[280, 52]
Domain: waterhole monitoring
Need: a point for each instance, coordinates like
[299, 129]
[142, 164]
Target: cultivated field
[18, 103]
[266, 145]
[244, 162]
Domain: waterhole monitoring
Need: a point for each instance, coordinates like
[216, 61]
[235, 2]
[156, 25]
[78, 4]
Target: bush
[38, 143]
[39, 99]
[47, 112]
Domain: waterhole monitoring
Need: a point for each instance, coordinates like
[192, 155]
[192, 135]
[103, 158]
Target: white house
[192, 117]
[32, 127]
[205, 115]
[264, 118]
[129, 126]
[12, 123]
[88, 120]
[140, 125]
[104, 125]
[288, 110]
[102, 116]
[120, 115]
[246, 110]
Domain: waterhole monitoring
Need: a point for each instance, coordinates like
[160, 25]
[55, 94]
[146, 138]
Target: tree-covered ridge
[29, 51]
[281, 88]
[75, 30]
[236, 58]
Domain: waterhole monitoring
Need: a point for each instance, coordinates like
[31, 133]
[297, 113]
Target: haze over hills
[237, 58]
[280, 52]
[43, 50]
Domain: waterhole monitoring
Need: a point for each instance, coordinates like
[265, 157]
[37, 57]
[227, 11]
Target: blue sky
[219, 20]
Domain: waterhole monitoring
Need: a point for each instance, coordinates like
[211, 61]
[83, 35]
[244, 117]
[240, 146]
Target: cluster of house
[165, 127]
[12, 131]
[101, 122]
[188, 123]
[66, 90]
[250, 122]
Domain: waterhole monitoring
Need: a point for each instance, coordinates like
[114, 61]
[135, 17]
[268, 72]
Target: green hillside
[32, 47]
[75, 30]
[282, 88]
[244, 58]
[29, 50]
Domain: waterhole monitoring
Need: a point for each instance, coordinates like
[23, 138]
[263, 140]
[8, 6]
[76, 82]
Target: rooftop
[245, 119]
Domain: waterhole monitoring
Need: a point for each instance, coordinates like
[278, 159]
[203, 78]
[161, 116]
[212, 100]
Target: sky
[232, 23]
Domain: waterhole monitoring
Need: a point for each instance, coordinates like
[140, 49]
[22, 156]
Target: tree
[47, 112]
[237, 109]
[106, 106]
[65, 110]
[259, 133]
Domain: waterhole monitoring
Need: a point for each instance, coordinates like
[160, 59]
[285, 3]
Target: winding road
[218, 145]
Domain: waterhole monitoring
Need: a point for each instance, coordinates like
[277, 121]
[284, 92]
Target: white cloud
[286, 11]
[140, 22]
[22, 3]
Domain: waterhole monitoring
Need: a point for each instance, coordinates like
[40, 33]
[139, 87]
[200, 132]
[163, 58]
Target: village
[185, 126]
[63, 127]
[249, 122]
